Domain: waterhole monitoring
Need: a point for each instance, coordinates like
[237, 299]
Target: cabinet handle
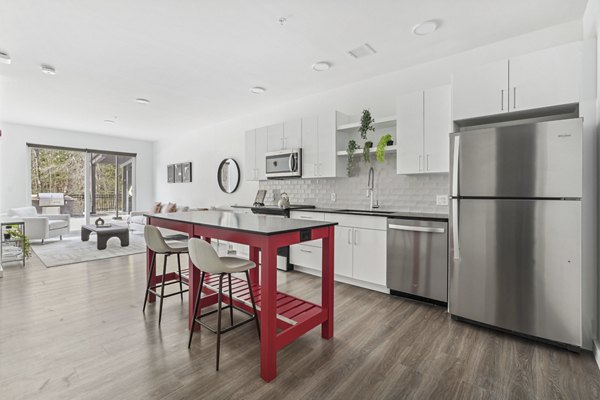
[427, 162]
[305, 251]
[355, 237]
[502, 99]
[514, 97]
[305, 217]
[349, 233]
[420, 163]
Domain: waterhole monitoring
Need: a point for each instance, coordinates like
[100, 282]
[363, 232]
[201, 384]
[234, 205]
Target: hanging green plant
[380, 151]
[366, 124]
[352, 146]
[367, 151]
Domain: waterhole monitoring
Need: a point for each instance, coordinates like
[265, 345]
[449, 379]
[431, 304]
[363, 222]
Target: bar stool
[156, 242]
[204, 257]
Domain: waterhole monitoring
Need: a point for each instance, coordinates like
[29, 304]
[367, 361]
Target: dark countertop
[252, 223]
[376, 213]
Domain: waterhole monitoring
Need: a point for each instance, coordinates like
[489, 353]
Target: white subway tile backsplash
[415, 193]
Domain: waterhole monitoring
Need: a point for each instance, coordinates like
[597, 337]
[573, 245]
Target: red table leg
[327, 284]
[254, 256]
[268, 349]
[149, 254]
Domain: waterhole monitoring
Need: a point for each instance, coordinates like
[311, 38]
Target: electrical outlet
[332, 196]
[441, 200]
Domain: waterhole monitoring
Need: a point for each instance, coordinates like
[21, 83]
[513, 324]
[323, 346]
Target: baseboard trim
[597, 353]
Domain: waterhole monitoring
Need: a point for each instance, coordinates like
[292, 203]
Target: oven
[283, 164]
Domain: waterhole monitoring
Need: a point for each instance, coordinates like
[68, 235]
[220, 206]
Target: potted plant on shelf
[19, 236]
[352, 146]
[367, 151]
[366, 124]
[385, 140]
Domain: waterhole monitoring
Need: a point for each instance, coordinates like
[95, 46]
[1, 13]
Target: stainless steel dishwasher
[417, 259]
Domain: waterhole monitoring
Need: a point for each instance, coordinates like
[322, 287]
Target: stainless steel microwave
[284, 164]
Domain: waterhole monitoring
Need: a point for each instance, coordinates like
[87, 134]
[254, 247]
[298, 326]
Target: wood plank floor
[78, 332]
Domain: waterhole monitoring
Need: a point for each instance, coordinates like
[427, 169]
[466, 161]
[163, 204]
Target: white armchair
[41, 227]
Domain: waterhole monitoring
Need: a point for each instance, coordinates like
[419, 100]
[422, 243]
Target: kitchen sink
[367, 211]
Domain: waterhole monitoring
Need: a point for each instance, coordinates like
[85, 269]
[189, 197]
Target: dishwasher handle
[416, 228]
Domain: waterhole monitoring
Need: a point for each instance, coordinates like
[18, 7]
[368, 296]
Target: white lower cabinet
[369, 256]
[360, 249]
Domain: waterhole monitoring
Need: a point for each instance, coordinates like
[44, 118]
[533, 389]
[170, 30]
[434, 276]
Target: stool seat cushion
[235, 264]
[176, 246]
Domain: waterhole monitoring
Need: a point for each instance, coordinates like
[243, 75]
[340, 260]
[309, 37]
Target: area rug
[71, 250]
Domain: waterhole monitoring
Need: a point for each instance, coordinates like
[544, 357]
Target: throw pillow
[172, 207]
[156, 208]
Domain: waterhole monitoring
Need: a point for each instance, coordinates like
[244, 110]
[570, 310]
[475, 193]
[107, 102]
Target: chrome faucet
[371, 189]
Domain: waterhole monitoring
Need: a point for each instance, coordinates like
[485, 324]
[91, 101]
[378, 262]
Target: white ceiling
[196, 59]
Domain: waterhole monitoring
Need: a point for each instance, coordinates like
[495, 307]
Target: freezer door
[542, 160]
[518, 266]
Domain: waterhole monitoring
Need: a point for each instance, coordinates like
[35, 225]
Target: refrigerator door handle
[454, 165]
[455, 231]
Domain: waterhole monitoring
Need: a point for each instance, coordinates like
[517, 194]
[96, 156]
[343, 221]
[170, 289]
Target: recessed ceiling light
[321, 66]
[109, 121]
[4, 58]
[48, 69]
[258, 90]
[142, 101]
[425, 28]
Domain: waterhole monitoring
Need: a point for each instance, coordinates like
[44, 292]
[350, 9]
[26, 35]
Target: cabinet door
[261, 149]
[480, 91]
[250, 173]
[545, 78]
[292, 134]
[370, 255]
[437, 126]
[275, 137]
[310, 147]
[409, 133]
[343, 251]
[327, 152]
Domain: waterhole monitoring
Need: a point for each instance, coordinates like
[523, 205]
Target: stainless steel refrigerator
[515, 228]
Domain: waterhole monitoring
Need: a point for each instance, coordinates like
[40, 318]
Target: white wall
[591, 28]
[206, 147]
[15, 184]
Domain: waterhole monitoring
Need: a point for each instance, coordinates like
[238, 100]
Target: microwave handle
[292, 163]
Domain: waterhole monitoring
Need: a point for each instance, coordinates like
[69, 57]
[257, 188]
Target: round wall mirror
[228, 175]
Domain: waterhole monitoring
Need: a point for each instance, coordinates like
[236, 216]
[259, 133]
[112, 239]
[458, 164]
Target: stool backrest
[205, 257]
[155, 240]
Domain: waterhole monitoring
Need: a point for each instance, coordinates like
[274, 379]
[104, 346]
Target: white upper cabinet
[409, 133]
[544, 78]
[423, 126]
[481, 90]
[275, 137]
[259, 153]
[250, 171]
[292, 134]
[286, 135]
[318, 146]
[437, 127]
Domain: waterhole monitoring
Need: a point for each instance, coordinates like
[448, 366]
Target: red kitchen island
[264, 234]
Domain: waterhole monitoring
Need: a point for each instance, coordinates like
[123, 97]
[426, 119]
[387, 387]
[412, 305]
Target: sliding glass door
[87, 184]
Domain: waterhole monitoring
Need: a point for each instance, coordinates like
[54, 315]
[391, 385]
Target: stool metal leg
[220, 298]
[179, 269]
[162, 289]
[230, 300]
[152, 265]
[196, 304]
[253, 304]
